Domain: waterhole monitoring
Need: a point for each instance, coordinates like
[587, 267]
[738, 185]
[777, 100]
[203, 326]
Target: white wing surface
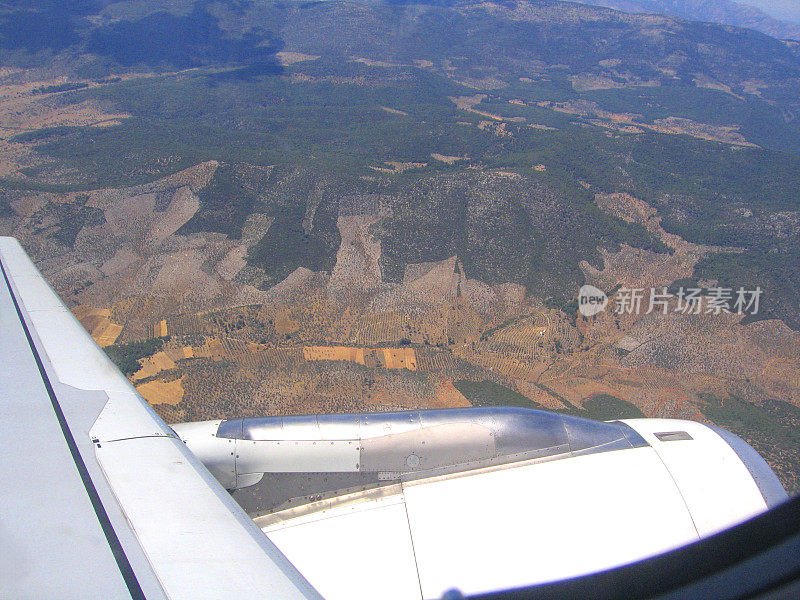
[99, 498]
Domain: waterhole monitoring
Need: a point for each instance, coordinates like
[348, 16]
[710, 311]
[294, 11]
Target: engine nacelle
[273, 463]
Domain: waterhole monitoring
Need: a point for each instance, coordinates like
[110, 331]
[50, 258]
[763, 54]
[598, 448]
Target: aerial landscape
[282, 207]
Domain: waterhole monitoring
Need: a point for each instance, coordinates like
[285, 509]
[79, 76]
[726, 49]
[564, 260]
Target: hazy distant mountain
[725, 12]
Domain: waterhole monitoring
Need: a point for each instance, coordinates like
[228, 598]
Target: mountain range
[279, 207]
[725, 12]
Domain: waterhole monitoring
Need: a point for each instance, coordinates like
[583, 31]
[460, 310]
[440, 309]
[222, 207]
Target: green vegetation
[162, 39]
[537, 231]
[227, 201]
[776, 272]
[532, 230]
[488, 393]
[126, 356]
[760, 123]
[604, 407]
[292, 240]
[600, 407]
[773, 429]
[492, 330]
[166, 376]
[61, 87]
[72, 218]
[323, 125]
[749, 419]
[44, 133]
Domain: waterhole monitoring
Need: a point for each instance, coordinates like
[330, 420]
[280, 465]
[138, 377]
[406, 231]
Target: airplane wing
[99, 498]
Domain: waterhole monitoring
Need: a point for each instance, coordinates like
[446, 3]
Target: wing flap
[231, 562]
[133, 508]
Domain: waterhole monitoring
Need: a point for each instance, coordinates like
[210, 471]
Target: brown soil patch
[153, 365]
[160, 392]
[450, 160]
[97, 321]
[394, 111]
[287, 58]
[395, 167]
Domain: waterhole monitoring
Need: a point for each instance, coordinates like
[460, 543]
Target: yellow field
[153, 365]
[390, 358]
[97, 321]
[334, 353]
[159, 392]
[397, 358]
[160, 329]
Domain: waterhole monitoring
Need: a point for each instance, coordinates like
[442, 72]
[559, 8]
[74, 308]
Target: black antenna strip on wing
[114, 544]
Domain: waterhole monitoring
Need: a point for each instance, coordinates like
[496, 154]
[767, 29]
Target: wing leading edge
[100, 499]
